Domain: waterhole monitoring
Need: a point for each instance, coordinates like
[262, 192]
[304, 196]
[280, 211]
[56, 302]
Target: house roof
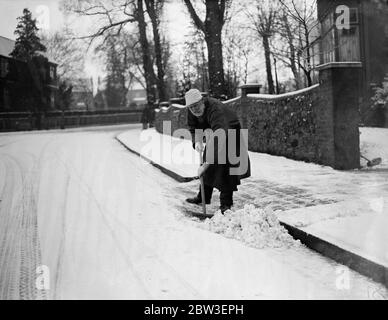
[7, 45]
[81, 84]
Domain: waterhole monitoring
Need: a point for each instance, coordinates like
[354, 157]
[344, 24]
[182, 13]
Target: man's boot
[226, 201]
[198, 199]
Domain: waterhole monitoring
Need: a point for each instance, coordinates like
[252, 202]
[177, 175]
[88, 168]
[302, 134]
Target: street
[107, 225]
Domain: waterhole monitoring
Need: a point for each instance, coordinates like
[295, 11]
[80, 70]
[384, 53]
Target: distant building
[82, 94]
[26, 86]
[137, 98]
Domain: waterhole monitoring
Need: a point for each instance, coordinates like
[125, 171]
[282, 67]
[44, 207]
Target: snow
[357, 220]
[358, 226]
[172, 153]
[2, 176]
[179, 106]
[282, 96]
[255, 227]
[232, 100]
[110, 227]
[374, 144]
[334, 205]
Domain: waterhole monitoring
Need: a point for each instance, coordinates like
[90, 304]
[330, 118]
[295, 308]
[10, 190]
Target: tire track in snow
[9, 245]
[112, 223]
[73, 172]
[20, 240]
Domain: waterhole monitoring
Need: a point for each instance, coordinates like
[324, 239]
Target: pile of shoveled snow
[254, 226]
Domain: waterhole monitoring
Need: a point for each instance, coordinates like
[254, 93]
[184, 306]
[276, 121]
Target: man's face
[197, 109]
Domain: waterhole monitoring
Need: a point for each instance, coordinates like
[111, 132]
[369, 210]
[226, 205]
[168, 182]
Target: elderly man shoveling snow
[225, 160]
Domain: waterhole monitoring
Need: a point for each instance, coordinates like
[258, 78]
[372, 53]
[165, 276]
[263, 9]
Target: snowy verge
[174, 154]
[255, 227]
[304, 217]
[2, 177]
[374, 144]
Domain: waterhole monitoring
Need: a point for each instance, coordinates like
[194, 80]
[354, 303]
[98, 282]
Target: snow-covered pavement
[108, 225]
[348, 209]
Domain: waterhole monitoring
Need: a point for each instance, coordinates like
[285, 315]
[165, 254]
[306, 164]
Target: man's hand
[202, 169]
[199, 147]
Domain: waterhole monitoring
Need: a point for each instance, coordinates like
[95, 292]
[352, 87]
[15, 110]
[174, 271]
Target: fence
[24, 121]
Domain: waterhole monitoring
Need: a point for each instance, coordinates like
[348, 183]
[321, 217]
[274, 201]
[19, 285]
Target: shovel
[372, 163]
[202, 187]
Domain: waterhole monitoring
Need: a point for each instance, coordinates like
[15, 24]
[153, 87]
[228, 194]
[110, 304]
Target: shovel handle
[364, 158]
[202, 187]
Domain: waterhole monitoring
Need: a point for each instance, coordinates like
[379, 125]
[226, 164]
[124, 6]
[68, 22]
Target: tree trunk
[146, 54]
[213, 34]
[292, 58]
[308, 57]
[267, 54]
[158, 49]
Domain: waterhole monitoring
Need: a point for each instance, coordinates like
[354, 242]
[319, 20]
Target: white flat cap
[193, 96]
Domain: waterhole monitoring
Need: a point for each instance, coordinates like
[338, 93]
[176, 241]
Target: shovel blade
[374, 162]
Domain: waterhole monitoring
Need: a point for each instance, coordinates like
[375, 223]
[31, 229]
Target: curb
[166, 171]
[368, 268]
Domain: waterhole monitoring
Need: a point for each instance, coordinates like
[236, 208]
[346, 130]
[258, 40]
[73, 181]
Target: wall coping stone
[347, 64]
[179, 106]
[250, 85]
[282, 96]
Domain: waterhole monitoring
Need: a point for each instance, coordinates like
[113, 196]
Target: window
[52, 100]
[353, 16]
[6, 98]
[349, 32]
[340, 45]
[3, 67]
[328, 39]
[52, 73]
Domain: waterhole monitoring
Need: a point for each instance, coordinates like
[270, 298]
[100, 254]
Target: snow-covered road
[107, 225]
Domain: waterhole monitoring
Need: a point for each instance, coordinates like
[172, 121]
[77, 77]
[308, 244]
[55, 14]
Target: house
[363, 41]
[137, 98]
[26, 85]
[82, 94]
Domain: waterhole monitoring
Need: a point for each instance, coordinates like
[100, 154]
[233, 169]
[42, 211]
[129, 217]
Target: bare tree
[194, 70]
[302, 15]
[113, 16]
[211, 27]
[122, 60]
[149, 73]
[265, 21]
[68, 52]
[287, 49]
[237, 50]
[154, 9]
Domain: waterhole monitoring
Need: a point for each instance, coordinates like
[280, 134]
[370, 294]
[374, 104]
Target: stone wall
[313, 125]
[178, 118]
[292, 126]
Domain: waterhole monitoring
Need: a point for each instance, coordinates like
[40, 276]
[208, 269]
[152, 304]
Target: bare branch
[198, 22]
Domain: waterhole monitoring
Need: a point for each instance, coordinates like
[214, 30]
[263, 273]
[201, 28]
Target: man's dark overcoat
[218, 117]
